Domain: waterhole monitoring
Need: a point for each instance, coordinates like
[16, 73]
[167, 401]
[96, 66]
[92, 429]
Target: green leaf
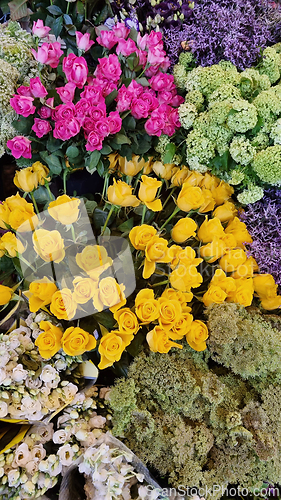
[53, 144]
[72, 152]
[169, 153]
[99, 218]
[18, 9]
[135, 346]
[55, 10]
[23, 125]
[126, 226]
[106, 150]
[121, 139]
[67, 19]
[143, 81]
[106, 319]
[80, 8]
[52, 161]
[94, 159]
[100, 168]
[132, 61]
[91, 205]
[133, 34]
[110, 97]
[57, 26]
[129, 123]
[126, 151]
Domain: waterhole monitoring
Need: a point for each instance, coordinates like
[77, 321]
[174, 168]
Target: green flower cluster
[8, 83]
[213, 417]
[15, 48]
[232, 121]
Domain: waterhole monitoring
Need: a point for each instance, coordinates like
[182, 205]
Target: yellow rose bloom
[127, 321]
[239, 231]
[40, 293]
[247, 269]
[111, 348]
[170, 313]
[220, 279]
[209, 181]
[4, 215]
[75, 341]
[222, 192]
[21, 214]
[113, 160]
[158, 340]
[49, 341]
[17, 201]
[26, 180]
[271, 303]
[210, 229]
[49, 245]
[165, 171]
[147, 193]
[264, 285]
[213, 251]
[120, 194]
[146, 306]
[41, 171]
[83, 289]
[225, 212]
[93, 260]
[181, 327]
[244, 292]
[190, 198]
[63, 305]
[109, 295]
[64, 209]
[11, 244]
[214, 295]
[194, 179]
[184, 278]
[230, 241]
[141, 235]
[182, 297]
[186, 257]
[132, 167]
[209, 202]
[180, 177]
[6, 294]
[184, 229]
[197, 335]
[156, 251]
[232, 260]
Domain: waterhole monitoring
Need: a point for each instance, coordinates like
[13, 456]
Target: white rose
[35, 333]
[43, 432]
[40, 317]
[14, 342]
[3, 409]
[38, 453]
[65, 454]
[29, 320]
[22, 455]
[60, 364]
[30, 406]
[14, 478]
[48, 373]
[4, 359]
[15, 411]
[97, 422]
[3, 375]
[19, 373]
[60, 436]
[31, 467]
[33, 383]
[29, 487]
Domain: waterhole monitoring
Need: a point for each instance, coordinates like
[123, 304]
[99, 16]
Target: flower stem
[65, 172]
[177, 209]
[27, 263]
[107, 219]
[168, 197]
[67, 8]
[143, 214]
[35, 205]
[73, 233]
[49, 191]
[161, 283]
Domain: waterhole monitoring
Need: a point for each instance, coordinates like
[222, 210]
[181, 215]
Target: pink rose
[109, 68]
[20, 146]
[142, 55]
[25, 91]
[37, 88]
[97, 112]
[141, 41]
[76, 70]
[88, 124]
[64, 111]
[82, 108]
[136, 89]
[124, 99]
[151, 100]
[139, 109]
[174, 118]
[106, 86]
[121, 30]
[107, 39]
[102, 128]
[44, 112]
[94, 141]
[156, 55]
[83, 41]
[39, 29]
[177, 100]
[154, 39]
[48, 53]
[161, 81]
[23, 105]
[114, 122]
[67, 92]
[165, 97]
[64, 130]
[41, 127]
[90, 91]
[126, 47]
[154, 125]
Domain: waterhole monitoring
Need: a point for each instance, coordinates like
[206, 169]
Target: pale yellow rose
[49, 245]
[120, 194]
[94, 260]
[64, 209]
[109, 295]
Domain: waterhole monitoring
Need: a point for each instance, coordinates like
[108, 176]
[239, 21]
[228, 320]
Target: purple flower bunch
[264, 225]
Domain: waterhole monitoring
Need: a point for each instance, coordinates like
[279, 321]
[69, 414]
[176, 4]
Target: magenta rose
[109, 68]
[75, 69]
[150, 99]
[94, 142]
[89, 124]
[67, 92]
[25, 91]
[82, 109]
[124, 99]
[126, 47]
[154, 125]
[141, 41]
[97, 112]
[23, 105]
[106, 86]
[83, 42]
[136, 89]
[46, 112]
[37, 88]
[102, 128]
[20, 146]
[107, 39]
[154, 39]
[41, 127]
[162, 81]
[114, 121]
[121, 30]
[177, 100]
[156, 55]
[91, 91]
[142, 55]
[65, 111]
[64, 130]
[48, 53]
[39, 29]
[174, 118]
[139, 108]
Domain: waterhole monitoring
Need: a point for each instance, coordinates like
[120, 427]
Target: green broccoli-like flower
[186, 59]
[260, 141]
[180, 75]
[227, 91]
[187, 114]
[271, 64]
[237, 176]
[163, 141]
[199, 151]
[267, 165]
[195, 97]
[241, 150]
[268, 105]
[275, 133]
[252, 83]
[250, 195]
[209, 78]
[242, 117]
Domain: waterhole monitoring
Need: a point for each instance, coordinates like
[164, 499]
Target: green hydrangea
[271, 64]
[187, 114]
[237, 176]
[267, 165]
[250, 195]
[199, 151]
[219, 111]
[163, 141]
[15, 48]
[260, 141]
[227, 91]
[268, 105]
[252, 82]
[242, 117]
[275, 133]
[208, 79]
[186, 59]
[241, 150]
[195, 97]
[180, 76]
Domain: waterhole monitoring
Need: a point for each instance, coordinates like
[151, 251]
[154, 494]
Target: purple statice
[263, 222]
[235, 31]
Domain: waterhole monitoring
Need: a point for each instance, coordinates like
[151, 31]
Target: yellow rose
[64, 209]
[182, 297]
[146, 306]
[84, 289]
[4, 215]
[26, 179]
[132, 167]
[63, 305]
[40, 293]
[185, 228]
[209, 202]
[164, 171]
[170, 313]
[222, 192]
[120, 194]
[147, 169]
[49, 341]
[6, 294]
[210, 229]
[265, 285]
[194, 179]
[247, 269]
[147, 193]
[158, 340]
[226, 284]
[111, 348]
[127, 321]
[49, 245]
[22, 216]
[180, 177]
[113, 159]
[109, 295]
[209, 181]
[16, 201]
[156, 251]
[232, 260]
[76, 341]
[190, 198]
[11, 244]
[93, 260]
[185, 256]
[271, 303]
[244, 292]
[239, 231]
[181, 327]
[230, 241]
[213, 251]
[184, 278]
[197, 335]
[214, 295]
[41, 171]
[225, 212]
[141, 235]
